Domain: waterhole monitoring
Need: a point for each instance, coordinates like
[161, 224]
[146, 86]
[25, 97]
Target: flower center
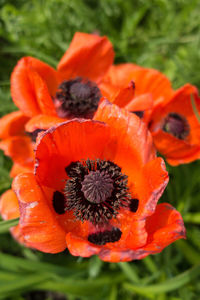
[97, 186]
[176, 125]
[95, 190]
[77, 98]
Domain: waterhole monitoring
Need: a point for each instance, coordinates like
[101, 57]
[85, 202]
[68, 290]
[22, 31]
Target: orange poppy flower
[9, 209]
[149, 87]
[95, 190]
[39, 90]
[15, 143]
[168, 113]
[175, 127]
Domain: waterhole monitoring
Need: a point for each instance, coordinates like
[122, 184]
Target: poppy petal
[38, 224]
[140, 103]
[80, 247]
[42, 122]
[155, 178]
[146, 80]
[12, 124]
[88, 56]
[125, 95]
[47, 73]
[9, 209]
[19, 148]
[29, 91]
[42, 95]
[164, 227]
[120, 75]
[175, 150]
[19, 168]
[68, 142]
[131, 132]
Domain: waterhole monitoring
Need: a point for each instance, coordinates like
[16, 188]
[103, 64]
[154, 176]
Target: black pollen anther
[59, 202]
[177, 125]
[96, 190]
[107, 236]
[77, 98]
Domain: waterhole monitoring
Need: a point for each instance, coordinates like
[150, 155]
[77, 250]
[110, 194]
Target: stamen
[176, 125]
[96, 190]
[107, 236]
[77, 98]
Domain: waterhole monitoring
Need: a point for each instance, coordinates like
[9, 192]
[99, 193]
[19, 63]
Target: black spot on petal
[103, 237]
[134, 205]
[59, 202]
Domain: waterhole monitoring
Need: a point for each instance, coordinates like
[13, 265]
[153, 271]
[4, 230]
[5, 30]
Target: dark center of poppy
[77, 98]
[95, 190]
[176, 125]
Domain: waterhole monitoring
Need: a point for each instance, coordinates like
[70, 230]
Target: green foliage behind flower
[160, 34]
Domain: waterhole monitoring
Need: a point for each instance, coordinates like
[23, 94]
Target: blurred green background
[161, 34]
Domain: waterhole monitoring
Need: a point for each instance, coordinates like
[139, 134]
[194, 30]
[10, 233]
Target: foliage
[160, 34]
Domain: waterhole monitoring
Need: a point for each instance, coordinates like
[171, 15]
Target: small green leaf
[6, 225]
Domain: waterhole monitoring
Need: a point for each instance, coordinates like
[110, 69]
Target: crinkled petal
[38, 223]
[164, 227]
[134, 140]
[29, 90]
[69, 142]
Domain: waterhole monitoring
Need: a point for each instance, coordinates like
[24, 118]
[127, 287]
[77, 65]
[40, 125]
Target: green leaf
[129, 271]
[167, 286]
[21, 284]
[6, 225]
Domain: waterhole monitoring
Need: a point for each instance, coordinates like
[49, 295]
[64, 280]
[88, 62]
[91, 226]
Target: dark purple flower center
[97, 186]
[96, 190]
[77, 98]
[176, 125]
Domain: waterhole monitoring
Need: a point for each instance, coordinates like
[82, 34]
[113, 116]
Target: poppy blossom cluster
[84, 144]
